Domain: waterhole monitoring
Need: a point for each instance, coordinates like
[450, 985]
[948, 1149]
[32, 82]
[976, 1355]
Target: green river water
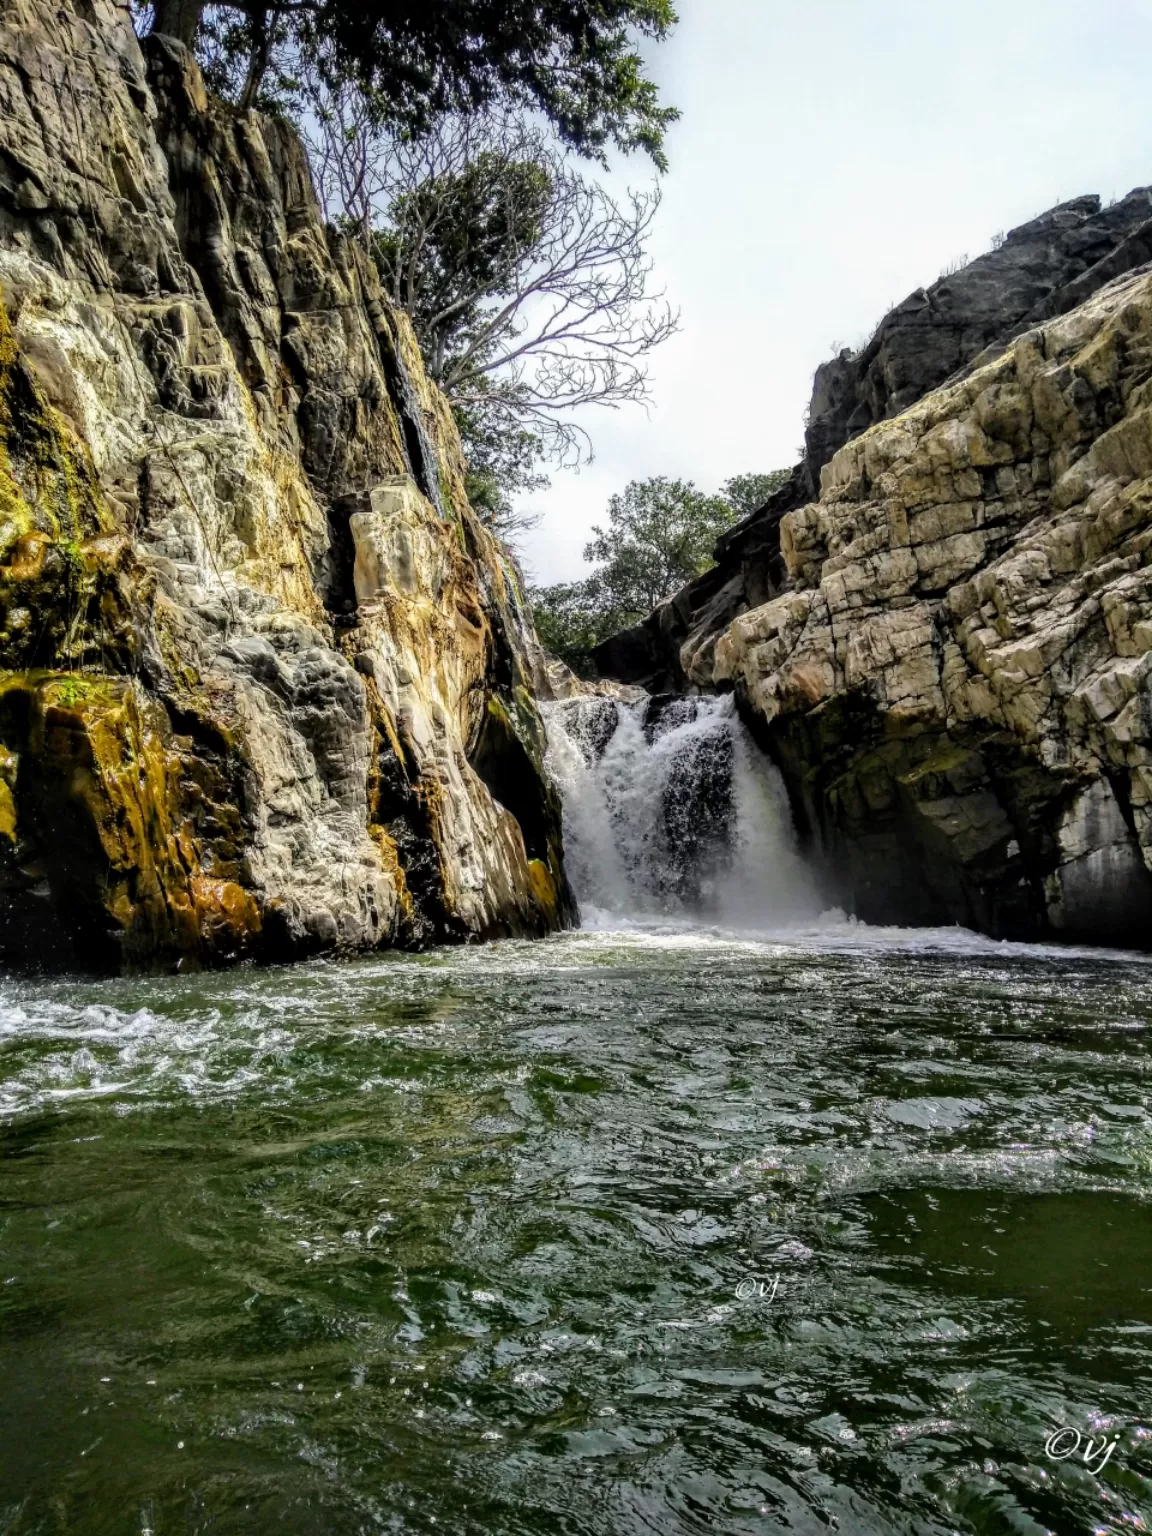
[644, 1232]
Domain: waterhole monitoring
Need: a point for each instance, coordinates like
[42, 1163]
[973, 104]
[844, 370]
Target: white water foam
[680, 818]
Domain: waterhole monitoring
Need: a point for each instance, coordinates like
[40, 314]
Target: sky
[832, 156]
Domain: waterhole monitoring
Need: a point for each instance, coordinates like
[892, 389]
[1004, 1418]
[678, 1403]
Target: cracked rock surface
[264, 677]
[957, 678]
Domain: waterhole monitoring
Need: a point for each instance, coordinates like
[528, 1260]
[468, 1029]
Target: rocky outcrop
[1042, 269]
[264, 678]
[555, 681]
[957, 678]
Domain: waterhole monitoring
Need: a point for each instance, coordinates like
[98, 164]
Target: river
[657, 1228]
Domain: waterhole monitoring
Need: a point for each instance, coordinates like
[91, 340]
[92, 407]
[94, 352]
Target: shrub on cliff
[748, 493]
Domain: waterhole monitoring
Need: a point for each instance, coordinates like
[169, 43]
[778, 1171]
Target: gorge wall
[265, 680]
[941, 630]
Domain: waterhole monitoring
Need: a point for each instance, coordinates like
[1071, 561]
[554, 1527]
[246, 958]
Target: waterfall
[671, 810]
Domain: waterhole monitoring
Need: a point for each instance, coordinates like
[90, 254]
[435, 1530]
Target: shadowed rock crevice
[501, 759]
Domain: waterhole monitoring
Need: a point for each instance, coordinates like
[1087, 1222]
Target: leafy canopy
[574, 61]
[748, 493]
[660, 534]
[571, 625]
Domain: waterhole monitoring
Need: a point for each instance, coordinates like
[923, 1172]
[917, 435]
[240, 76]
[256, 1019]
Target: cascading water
[670, 810]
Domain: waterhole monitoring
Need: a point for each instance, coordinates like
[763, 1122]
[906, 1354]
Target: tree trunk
[257, 60]
[179, 19]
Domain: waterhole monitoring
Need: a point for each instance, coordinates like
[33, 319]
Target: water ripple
[657, 1230]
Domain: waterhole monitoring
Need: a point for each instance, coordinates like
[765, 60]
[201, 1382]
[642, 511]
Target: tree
[748, 493]
[571, 623]
[502, 462]
[528, 286]
[660, 534]
[573, 61]
[249, 60]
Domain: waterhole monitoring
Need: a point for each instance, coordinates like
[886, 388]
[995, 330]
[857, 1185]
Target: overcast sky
[832, 156]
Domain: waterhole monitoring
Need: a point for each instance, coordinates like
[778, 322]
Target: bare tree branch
[530, 287]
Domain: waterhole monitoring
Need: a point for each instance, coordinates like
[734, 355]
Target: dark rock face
[964, 825]
[265, 680]
[1042, 269]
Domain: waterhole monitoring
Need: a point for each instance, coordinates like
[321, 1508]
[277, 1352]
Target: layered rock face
[957, 680]
[941, 628]
[264, 679]
[1040, 270]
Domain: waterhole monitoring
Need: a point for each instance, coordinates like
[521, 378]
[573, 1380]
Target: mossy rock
[47, 482]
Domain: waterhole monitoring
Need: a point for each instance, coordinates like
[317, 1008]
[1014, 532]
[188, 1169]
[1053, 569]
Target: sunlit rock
[265, 680]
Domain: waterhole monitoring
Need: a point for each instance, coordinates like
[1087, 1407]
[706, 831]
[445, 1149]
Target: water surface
[645, 1232]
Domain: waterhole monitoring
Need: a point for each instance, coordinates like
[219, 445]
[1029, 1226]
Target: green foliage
[574, 61]
[248, 59]
[660, 534]
[471, 228]
[571, 622]
[502, 456]
[748, 493]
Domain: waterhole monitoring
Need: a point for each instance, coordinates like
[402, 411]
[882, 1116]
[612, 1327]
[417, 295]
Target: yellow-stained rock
[265, 680]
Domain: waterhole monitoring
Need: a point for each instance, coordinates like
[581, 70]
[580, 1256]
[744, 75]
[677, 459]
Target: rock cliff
[1040, 270]
[264, 678]
[950, 656]
[958, 679]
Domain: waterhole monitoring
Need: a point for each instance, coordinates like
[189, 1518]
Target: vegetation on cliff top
[441, 138]
[528, 285]
[660, 534]
[574, 61]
